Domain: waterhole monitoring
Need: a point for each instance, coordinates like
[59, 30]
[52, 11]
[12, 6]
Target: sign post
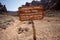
[34, 31]
[30, 13]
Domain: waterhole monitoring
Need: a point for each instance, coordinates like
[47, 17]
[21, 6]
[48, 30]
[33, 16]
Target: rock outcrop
[48, 4]
[2, 9]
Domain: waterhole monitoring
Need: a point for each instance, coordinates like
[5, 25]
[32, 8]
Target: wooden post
[34, 31]
[30, 13]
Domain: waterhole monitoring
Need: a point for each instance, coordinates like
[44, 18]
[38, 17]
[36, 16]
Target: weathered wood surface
[31, 13]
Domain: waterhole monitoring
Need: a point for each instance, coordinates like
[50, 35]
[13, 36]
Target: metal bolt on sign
[30, 13]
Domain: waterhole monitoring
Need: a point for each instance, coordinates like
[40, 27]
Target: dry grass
[46, 29]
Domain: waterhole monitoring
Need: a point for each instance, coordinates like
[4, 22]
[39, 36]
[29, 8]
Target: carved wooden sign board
[27, 13]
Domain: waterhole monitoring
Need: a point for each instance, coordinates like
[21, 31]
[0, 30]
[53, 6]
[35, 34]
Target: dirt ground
[46, 29]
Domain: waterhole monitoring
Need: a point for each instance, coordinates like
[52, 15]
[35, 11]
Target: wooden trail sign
[30, 13]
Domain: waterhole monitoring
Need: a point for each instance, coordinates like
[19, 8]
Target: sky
[12, 5]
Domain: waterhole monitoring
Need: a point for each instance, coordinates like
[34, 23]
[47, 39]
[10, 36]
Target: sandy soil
[46, 29]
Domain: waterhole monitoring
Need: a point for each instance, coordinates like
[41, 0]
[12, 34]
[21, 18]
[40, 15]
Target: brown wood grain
[31, 13]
